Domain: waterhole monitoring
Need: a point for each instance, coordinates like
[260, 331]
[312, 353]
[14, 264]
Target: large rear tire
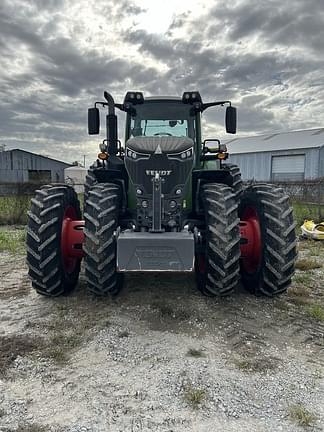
[101, 216]
[217, 258]
[268, 272]
[52, 273]
[235, 173]
[90, 181]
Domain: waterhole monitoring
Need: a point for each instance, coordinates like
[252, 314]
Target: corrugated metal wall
[321, 162]
[258, 165]
[14, 166]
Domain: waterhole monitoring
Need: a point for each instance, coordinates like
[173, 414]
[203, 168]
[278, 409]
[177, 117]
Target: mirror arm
[103, 104]
[211, 104]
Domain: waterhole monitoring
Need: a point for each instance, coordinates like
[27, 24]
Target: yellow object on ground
[312, 230]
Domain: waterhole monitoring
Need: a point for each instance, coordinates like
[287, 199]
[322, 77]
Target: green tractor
[163, 202]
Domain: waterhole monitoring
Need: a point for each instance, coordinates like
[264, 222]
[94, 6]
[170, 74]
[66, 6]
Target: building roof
[36, 155]
[309, 138]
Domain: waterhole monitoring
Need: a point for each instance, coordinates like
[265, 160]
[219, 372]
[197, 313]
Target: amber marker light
[221, 155]
[103, 156]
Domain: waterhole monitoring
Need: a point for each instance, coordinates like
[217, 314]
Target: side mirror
[230, 120]
[93, 121]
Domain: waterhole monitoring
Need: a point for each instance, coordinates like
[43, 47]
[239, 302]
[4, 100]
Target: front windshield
[162, 118]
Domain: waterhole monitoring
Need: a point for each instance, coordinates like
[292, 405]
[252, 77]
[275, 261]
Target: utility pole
[84, 160]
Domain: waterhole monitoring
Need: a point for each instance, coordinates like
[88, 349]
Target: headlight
[187, 154]
[131, 154]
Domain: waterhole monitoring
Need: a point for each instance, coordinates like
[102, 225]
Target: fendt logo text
[160, 172]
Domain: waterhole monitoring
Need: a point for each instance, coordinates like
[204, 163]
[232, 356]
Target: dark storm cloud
[31, 112]
[282, 23]
[267, 56]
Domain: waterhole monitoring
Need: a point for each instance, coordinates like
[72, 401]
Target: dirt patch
[13, 346]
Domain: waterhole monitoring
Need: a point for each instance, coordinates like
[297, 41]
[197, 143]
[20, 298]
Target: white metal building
[75, 176]
[287, 156]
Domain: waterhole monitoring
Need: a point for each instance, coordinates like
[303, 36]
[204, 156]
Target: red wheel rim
[69, 263]
[251, 240]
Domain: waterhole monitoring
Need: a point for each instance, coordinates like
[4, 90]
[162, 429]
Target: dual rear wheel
[251, 238]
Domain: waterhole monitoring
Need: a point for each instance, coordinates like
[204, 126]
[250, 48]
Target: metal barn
[20, 166]
[287, 156]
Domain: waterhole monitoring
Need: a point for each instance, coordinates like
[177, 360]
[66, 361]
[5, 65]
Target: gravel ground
[160, 357]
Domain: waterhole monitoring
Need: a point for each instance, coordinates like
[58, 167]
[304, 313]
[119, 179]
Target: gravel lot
[161, 357]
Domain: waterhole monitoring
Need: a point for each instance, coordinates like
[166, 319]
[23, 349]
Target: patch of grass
[194, 396]
[302, 416]
[123, 334]
[302, 278]
[316, 312]
[305, 245]
[13, 209]
[13, 241]
[256, 364]
[13, 346]
[307, 264]
[304, 211]
[192, 352]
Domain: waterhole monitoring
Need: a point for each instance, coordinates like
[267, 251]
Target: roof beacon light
[191, 97]
[134, 98]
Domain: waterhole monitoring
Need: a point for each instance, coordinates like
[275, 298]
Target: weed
[307, 264]
[2, 412]
[316, 312]
[299, 295]
[300, 415]
[194, 396]
[300, 300]
[281, 304]
[123, 334]
[298, 291]
[192, 352]
[256, 364]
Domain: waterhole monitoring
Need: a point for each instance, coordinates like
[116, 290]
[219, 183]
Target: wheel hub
[72, 238]
[251, 240]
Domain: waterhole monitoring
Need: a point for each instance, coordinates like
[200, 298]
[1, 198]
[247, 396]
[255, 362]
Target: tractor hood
[162, 144]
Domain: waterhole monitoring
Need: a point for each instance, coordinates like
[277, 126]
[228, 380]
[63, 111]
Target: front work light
[135, 98]
[191, 97]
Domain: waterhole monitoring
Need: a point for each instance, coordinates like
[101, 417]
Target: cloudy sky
[57, 57]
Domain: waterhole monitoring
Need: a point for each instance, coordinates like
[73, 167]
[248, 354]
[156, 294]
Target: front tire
[101, 216]
[52, 273]
[266, 208]
[217, 258]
